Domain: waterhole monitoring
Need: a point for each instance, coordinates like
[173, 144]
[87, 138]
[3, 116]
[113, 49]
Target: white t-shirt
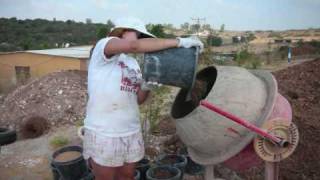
[113, 83]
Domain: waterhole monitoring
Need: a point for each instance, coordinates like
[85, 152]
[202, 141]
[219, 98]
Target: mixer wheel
[270, 151]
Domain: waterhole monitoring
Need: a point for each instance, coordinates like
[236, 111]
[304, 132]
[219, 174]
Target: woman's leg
[125, 172]
[102, 172]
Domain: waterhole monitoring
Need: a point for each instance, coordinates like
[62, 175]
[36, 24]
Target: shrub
[214, 40]
[152, 109]
[59, 141]
[248, 60]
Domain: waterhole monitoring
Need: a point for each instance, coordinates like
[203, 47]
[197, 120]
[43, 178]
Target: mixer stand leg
[271, 170]
[209, 172]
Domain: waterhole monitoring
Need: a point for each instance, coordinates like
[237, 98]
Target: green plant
[214, 40]
[283, 50]
[156, 29]
[59, 141]
[315, 43]
[248, 60]
[251, 37]
[222, 27]
[205, 57]
[151, 110]
[102, 32]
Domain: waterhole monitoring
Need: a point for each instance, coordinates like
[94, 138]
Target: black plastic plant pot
[192, 167]
[55, 172]
[73, 169]
[137, 175]
[163, 173]
[175, 160]
[88, 176]
[143, 165]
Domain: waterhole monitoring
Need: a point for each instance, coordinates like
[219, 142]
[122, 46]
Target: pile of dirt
[57, 99]
[305, 49]
[300, 84]
[173, 145]
[166, 126]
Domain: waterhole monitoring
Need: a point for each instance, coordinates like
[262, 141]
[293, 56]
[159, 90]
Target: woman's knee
[126, 172]
[102, 172]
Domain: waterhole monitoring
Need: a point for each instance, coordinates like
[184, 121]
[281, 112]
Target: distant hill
[17, 35]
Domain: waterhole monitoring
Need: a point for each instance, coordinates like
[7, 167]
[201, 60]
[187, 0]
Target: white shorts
[113, 151]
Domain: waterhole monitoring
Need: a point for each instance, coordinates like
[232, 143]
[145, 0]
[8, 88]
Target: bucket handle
[154, 62]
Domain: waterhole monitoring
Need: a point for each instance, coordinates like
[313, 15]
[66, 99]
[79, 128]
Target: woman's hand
[190, 42]
[148, 86]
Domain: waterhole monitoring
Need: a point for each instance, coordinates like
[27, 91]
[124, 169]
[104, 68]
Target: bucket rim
[181, 157]
[65, 149]
[171, 168]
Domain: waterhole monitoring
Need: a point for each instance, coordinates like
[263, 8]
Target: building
[223, 56]
[18, 67]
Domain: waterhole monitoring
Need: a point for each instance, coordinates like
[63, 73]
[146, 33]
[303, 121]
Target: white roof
[74, 52]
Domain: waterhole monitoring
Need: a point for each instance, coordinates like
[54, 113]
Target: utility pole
[197, 20]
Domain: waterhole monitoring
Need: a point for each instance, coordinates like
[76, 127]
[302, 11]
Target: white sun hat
[130, 23]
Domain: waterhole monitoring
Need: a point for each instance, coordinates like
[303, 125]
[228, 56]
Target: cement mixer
[235, 117]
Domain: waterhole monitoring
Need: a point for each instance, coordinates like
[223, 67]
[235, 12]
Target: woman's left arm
[142, 96]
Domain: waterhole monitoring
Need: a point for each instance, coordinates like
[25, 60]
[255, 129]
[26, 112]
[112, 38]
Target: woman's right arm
[117, 46]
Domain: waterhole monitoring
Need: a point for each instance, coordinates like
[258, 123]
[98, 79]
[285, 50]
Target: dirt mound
[166, 126]
[300, 84]
[58, 98]
[304, 50]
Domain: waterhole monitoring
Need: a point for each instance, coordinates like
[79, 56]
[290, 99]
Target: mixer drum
[210, 137]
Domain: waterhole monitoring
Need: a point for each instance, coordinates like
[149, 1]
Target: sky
[235, 14]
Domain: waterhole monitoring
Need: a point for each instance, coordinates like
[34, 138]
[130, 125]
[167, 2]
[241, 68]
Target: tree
[251, 37]
[222, 28]
[88, 21]
[195, 28]
[110, 24]
[214, 40]
[168, 26]
[17, 35]
[102, 32]
[26, 43]
[69, 21]
[185, 26]
[206, 27]
[157, 30]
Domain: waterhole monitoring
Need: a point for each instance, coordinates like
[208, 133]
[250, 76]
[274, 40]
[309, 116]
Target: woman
[113, 140]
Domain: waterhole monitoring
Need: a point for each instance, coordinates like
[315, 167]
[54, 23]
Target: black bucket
[175, 67]
[55, 172]
[143, 165]
[73, 169]
[137, 175]
[192, 168]
[88, 176]
[179, 161]
[163, 173]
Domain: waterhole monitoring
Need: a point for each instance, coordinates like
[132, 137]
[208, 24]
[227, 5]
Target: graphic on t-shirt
[129, 78]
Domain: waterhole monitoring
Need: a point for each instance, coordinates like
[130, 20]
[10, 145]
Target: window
[22, 74]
